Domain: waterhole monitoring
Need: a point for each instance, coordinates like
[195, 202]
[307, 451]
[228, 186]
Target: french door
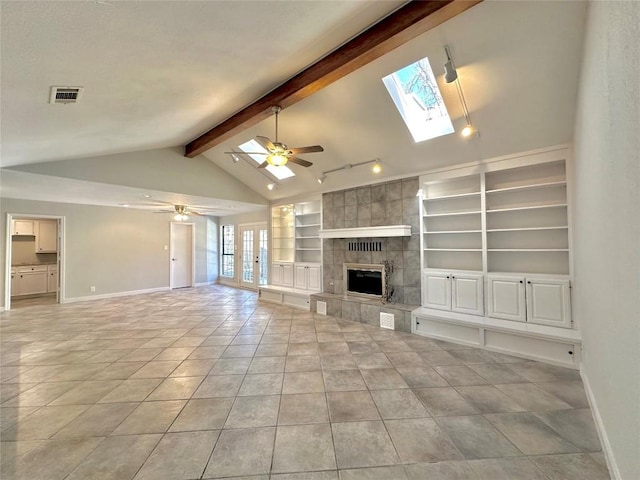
[254, 263]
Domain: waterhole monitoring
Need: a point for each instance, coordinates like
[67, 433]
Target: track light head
[322, 178]
[450, 73]
[271, 186]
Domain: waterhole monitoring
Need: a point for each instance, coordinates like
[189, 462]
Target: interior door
[254, 259]
[182, 255]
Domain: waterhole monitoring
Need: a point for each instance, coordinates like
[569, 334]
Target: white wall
[607, 226]
[115, 249]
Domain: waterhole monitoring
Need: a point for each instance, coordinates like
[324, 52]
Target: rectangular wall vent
[321, 307]
[387, 320]
[365, 246]
[65, 94]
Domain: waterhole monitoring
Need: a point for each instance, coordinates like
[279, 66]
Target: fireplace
[364, 279]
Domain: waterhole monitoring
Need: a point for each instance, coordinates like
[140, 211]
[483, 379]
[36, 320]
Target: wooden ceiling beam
[406, 23]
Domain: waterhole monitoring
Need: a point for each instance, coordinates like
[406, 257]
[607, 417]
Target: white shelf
[528, 187]
[365, 232]
[309, 249]
[457, 195]
[452, 231]
[536, 207]
[475, 212]
[453, 249]
[308, 225]
[530, 229]
[303, 238]
[527, 250]
[307, 214]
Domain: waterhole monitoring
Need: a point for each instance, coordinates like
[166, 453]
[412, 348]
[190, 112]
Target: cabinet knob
[529, 282]
[447, 276]
[521, 281]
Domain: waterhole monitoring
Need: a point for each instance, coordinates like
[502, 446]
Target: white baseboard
[604, 439]
[114, 295]
[229, 282]
[204, 284]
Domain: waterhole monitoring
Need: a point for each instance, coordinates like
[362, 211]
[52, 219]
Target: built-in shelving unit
[282, 233]
[496, 256]
[308, 221]
[452, 223]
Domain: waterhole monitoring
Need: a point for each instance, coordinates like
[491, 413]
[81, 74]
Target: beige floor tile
[151, 417]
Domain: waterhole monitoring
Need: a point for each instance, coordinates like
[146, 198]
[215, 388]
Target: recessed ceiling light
[146, 196]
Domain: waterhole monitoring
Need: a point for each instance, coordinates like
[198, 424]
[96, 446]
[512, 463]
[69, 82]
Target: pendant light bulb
[376, 167]
[467, 131]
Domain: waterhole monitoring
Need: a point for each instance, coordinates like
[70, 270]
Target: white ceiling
[157, 74]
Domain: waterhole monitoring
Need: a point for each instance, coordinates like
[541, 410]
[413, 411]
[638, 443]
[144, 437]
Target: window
[279, 172]
[228, 244]
[415, 93]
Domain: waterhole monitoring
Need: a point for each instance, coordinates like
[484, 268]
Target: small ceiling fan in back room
[277, 153]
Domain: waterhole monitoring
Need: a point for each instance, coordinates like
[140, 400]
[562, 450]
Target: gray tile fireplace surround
[388, 203]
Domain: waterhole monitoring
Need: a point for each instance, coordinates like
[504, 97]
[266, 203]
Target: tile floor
[210, 383]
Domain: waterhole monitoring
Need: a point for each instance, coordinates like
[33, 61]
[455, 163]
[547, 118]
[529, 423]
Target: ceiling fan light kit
[277, 153]
[451, 76]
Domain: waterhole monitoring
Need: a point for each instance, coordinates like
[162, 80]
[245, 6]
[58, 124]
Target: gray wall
[389, 203]
[116, 249]
[163, 169]
[607, 224]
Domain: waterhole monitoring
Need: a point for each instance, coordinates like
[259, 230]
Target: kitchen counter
[32, 264]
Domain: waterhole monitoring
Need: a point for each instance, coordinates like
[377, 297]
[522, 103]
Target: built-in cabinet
[46, 232]
[544, 301]
[34, 280]
[22, 227]
[282, 274]
[308, 277]
[496, 233]
[296, 245]
[453, 291]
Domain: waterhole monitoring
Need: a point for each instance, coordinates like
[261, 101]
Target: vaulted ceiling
[158, 74]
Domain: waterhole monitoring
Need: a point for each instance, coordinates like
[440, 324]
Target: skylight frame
[281, 173]
[415, 93]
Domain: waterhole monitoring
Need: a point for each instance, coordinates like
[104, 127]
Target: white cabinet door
[314, 278]
[300, 276]
[33, 283]
[22, 227]
[507, 298]
[276, 274]
[287, 275]
[437, 290]
[46, 232]
[548, 302]
[467, 293]
[52, 280]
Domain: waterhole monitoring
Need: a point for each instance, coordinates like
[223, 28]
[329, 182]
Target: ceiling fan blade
[266, 143]
[263, 164]
[309, 149]
[300, 161]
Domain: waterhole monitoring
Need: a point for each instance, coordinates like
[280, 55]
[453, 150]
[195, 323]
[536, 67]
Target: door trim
[60, 295]
[193, 252]
[256, 226]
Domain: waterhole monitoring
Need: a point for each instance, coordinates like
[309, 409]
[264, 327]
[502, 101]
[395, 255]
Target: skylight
[415, 93]
[279, 172]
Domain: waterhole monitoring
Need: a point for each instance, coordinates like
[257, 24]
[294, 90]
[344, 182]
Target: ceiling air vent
[65, 94]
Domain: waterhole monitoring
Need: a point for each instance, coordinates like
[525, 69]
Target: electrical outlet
[92, 288]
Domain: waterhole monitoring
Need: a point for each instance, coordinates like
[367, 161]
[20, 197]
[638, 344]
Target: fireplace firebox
[363, 279]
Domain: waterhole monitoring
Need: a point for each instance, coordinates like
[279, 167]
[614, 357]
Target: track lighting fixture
[271, 186]
[235, 158]
[376, 168]
[451, 76]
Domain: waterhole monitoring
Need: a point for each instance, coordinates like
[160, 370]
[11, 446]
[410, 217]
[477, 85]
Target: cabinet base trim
[114, 295]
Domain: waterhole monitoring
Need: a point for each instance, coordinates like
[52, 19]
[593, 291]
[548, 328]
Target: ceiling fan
[278, 154]
[182, 212]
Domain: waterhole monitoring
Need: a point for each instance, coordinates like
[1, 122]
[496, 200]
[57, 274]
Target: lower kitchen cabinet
[453, 291]
[34, 280]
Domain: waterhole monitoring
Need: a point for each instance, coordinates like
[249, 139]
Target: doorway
[182, 266]
[34, 260]
[253, 255]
